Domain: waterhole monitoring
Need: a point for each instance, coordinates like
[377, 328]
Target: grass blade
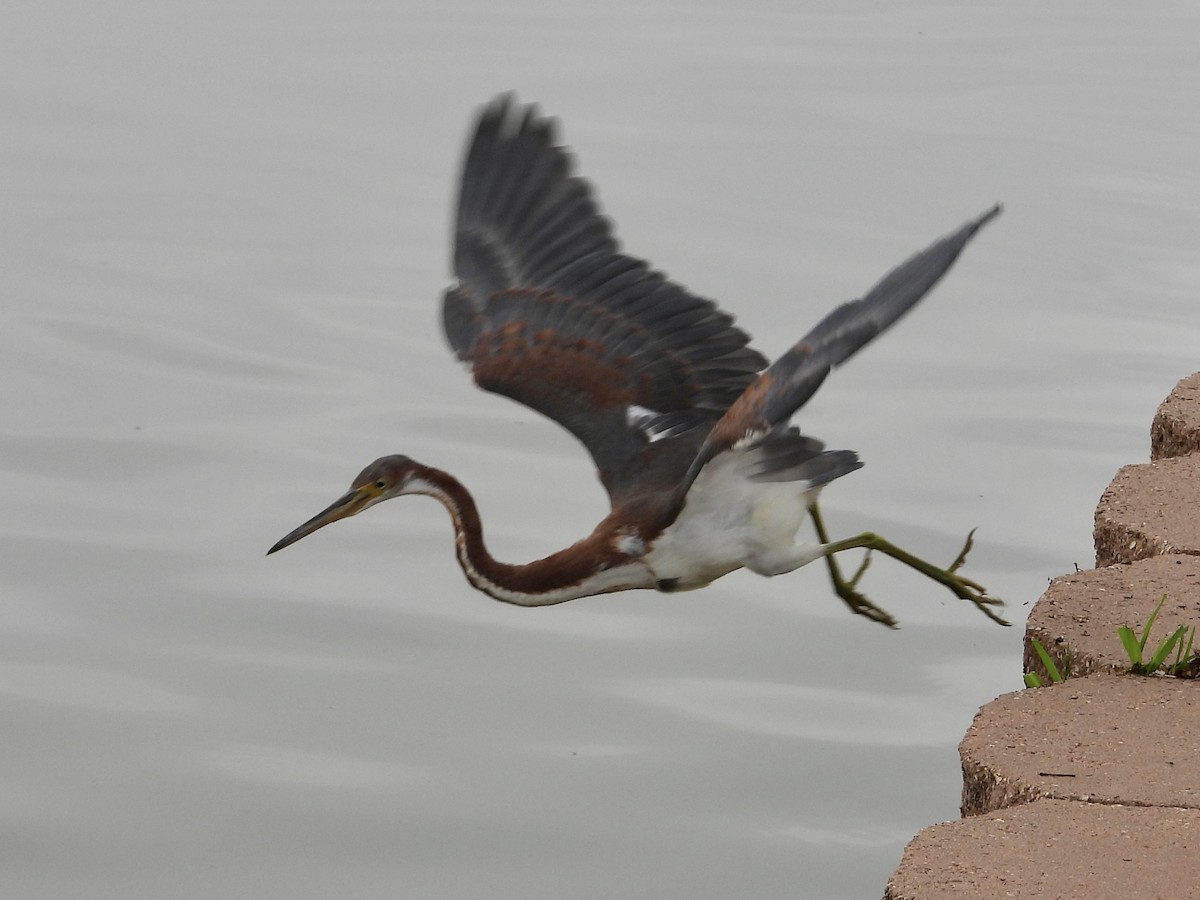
[1130, 642]
[1047, 660]
[1161, 654]
[1150, 625]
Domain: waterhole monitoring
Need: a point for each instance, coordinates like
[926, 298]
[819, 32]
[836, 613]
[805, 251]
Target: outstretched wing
[793, 378]
[548, 312]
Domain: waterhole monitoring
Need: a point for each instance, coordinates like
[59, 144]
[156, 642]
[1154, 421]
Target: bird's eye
[380, 485]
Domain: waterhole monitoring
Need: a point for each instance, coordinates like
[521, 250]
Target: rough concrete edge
[1071, 663]
[986, 790]
[1170, 437]
[1119, 544]
[1125, 526]
[1076, 620]
[1017, 852]
[1175, 430]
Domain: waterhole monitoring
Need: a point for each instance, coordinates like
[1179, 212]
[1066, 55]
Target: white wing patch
[642, 419]
[656, 426]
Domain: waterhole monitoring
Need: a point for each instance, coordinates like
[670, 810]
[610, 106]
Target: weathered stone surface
[1076, 620]
[1091, 788]
[1105, 739]
[1176, 427]
[1150, 510]
[1055, 848]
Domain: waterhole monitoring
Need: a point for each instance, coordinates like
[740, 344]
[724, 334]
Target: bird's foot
[966, 588]
[961, 586]
[969, 589]
[847, 589]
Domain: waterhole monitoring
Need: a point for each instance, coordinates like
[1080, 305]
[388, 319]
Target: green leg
[961, 587]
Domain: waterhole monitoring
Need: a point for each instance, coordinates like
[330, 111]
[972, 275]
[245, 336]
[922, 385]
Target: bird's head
[387, 477]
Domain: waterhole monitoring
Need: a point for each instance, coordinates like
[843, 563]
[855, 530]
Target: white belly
[729, 522]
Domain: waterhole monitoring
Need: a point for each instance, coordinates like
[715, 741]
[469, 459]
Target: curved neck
[594, 565]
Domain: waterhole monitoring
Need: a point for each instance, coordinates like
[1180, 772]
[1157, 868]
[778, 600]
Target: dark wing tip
[522, 213]
[504, 118]
[896, 293]
[793, 378]
[996, 209]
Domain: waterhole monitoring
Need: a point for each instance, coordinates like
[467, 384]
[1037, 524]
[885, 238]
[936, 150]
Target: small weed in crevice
[1033, 679]
[1180, 641]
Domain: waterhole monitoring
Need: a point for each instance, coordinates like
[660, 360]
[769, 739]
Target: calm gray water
[225, 235]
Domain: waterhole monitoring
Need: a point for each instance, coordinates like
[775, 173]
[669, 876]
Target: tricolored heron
[687, 425]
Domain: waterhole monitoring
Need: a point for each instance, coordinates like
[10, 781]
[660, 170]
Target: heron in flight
[687, 425]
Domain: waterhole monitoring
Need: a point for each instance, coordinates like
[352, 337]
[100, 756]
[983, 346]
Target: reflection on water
[227, 237]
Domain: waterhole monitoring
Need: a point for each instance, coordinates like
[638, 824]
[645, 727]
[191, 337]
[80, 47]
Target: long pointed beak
[346, 505]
